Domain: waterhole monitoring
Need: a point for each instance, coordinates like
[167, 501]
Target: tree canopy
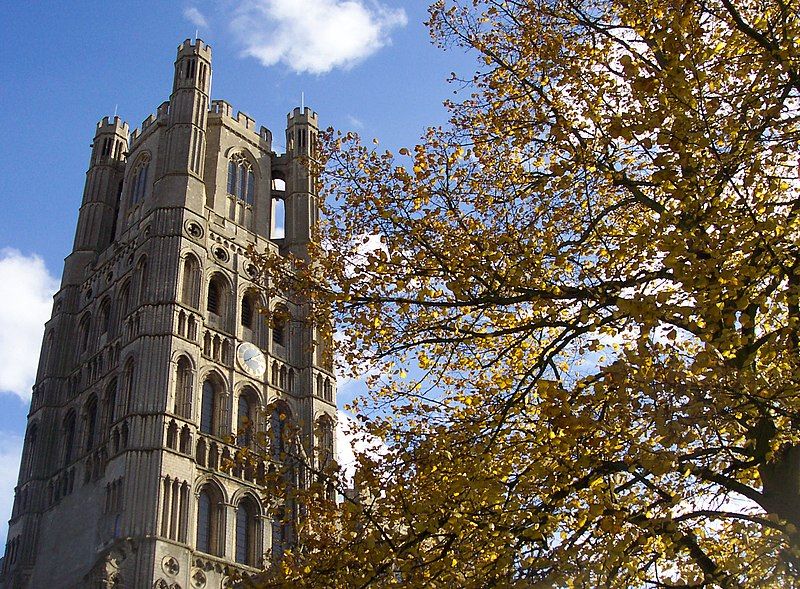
[579, 302]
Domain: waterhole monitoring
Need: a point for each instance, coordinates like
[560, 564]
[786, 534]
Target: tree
[580, 300]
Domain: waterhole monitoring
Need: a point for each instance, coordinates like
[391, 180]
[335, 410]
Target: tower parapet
[110, 141]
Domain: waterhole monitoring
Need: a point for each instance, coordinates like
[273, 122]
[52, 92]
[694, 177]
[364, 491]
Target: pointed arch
[139, 179]
[104, 317]
[248, 530]
[31, 440]
[324, 432]
[279, 322]
[68, 437]
[124, 298]
[249, 313]
[280, 418]
[241, 182]
[184, 387]
[212, 404]
[129, 385]
[90, 423]
[190, 281]
[246, 410]
[110, 403]
[218, 294]
[84, 332]
[142, 282]
[210, 519]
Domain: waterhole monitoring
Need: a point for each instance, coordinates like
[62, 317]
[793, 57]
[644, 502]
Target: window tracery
[241, 180]
[139, 180]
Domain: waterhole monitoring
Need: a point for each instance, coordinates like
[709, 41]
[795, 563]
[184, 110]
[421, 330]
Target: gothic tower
[155, 354]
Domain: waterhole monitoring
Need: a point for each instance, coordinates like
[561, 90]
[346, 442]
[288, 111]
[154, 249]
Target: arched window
[212, 303]
[278, 229]
[324, 440]
[241, 181]
[208, 418]
[279, 320]
[210, 522]
[281, 533]
[217, 299]
[141, 280]
[129, 383]
[278, 213]
[183, 388]
[328, 390]
[105, 316]
[245, 414]
[91, 423]
[84, 331]
[139, 184]
[69, 438]
[125, 299]
[279, 431]
[248, 310]
[30, 451]
[190, 287]
[111, 403]
[247, 532]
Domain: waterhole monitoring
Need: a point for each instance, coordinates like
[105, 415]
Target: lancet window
[241, 180]
[139, 179]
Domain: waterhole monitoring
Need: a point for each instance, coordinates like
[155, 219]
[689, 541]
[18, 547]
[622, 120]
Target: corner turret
[182, 170]
[302, 213]
[98, 213]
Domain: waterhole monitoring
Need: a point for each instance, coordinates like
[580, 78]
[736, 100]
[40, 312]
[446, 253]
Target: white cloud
[10, 452]
[194, 16]
[347, 443]
[26, 289]
[356, 123]
[314, 36]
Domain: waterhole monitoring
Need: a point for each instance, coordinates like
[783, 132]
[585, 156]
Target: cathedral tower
[156, 354]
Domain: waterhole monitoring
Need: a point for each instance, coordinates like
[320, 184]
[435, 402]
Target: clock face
[251, 359]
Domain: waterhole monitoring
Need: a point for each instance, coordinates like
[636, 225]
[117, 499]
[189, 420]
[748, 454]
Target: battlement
[163, 110]
[245, 120]
[197, 48]
[305, 115]
[115, 125]
[161, 114]
[222, 108]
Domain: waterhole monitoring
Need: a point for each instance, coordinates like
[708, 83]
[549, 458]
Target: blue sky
[363, 65]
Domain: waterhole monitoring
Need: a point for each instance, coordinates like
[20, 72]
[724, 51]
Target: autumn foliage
[579, 304]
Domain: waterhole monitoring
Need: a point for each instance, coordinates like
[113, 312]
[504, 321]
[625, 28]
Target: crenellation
[221, 107]
[148, 121]
[245, 120]
[196, 48]
[304, 115]
[266, 137]
[163, 110]
[115, 123]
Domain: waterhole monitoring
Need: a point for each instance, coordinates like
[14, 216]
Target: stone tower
[156, 353]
